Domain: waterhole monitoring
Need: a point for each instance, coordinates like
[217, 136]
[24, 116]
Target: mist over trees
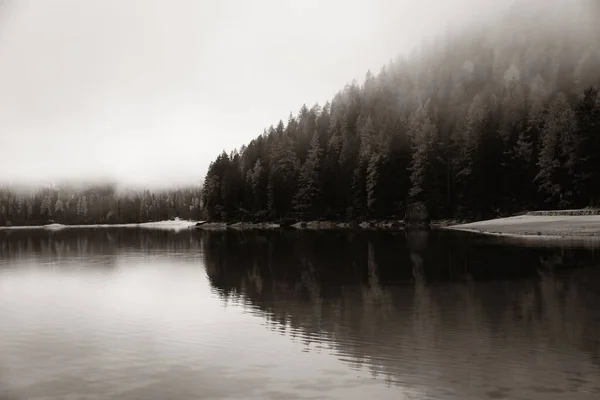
[98, 204]
[480, 123]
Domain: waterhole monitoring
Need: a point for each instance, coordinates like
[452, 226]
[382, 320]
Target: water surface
[143, 314]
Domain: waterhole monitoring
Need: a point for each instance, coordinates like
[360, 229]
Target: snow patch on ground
[537, 225]
[176, 225]
[55, 227]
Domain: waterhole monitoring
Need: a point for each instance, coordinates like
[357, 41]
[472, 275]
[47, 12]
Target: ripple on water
[202, 315]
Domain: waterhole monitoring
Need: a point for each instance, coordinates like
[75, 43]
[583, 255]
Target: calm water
[140, 314]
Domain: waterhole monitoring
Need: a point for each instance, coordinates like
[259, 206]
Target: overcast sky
[150, 91]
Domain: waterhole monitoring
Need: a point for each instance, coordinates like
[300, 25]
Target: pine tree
[82, 208]
[587, 176]
[468, 140]
[29, 209]
[372, 184]
[259, 180]
[215, 193]
[359, 178]
[2, 214]
[557, 154]
[59, 208]
[282, 177]
[46, 208]
[331, 187]
[307, 195]
[517, 162]
[424, 136]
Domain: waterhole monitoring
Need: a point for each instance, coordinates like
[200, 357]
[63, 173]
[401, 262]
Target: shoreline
[169, 225]
[535, 224]
[540, 225]
[567, 224]
[374, 225]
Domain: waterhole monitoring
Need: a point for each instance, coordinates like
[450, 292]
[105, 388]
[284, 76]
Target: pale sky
[150, 91]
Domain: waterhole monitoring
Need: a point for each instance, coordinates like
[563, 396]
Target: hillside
[480, 123]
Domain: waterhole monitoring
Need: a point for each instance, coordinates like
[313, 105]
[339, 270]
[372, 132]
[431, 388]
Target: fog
[147, 92]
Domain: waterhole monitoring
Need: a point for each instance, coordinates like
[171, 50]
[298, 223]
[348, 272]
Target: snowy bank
[537, 224]
[176, 225]
[54, 227]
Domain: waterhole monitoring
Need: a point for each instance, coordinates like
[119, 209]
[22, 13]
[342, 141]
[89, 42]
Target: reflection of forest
[424, 310]
[80, 244]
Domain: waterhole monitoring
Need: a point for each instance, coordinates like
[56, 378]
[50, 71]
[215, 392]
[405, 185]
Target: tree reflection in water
[436, 312]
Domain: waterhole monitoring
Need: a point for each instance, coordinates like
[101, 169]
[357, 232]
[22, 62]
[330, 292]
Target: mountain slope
[483, 122]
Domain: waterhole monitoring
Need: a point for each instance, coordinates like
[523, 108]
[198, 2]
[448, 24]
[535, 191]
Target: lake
[154, 314]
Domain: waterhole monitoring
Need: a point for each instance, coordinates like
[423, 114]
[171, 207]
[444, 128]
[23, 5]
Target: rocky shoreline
[389, 225]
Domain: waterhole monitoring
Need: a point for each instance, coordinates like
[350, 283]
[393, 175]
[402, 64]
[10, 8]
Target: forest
[483, 122]
[96, 204]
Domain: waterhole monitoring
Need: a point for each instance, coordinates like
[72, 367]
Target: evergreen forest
[96, 204]
[487, 121]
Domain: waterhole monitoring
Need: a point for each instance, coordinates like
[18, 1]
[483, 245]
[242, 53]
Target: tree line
[96, 204]
[480, 123]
